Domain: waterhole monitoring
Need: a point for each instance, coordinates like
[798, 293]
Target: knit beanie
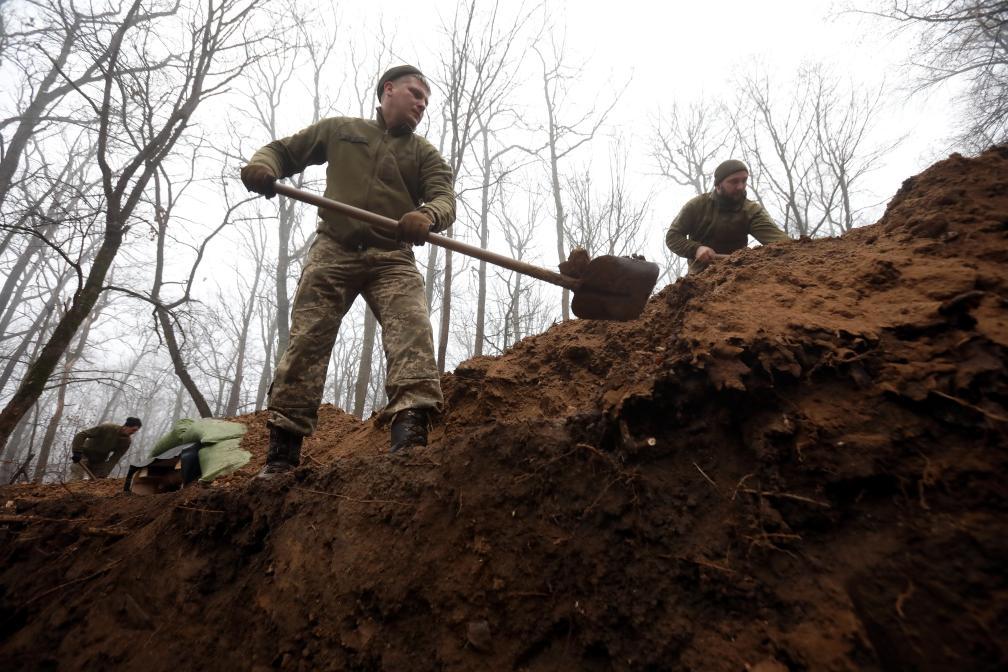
[395, 73]
[727, 168]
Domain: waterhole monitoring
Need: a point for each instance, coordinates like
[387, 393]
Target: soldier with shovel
[394, 190]
[96, 451]
[383, 166]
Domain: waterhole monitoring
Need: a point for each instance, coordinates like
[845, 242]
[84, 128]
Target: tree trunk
[41, 369]
[15, 303]
[54, 421]
[283, 306]
[231, 408]
[110, 405]
[517, 309]
[367, 355]
[16, 272]
[234, 398]
[5, 243]
[430, 275]
[50, 433]
[30, 118]
[560, 217]
[34, 335]
[484, 231]
[176, 414]
[13, 460]
[163, 314]
[445, 329]
[266, 375]
[179, 366]
[64, 199]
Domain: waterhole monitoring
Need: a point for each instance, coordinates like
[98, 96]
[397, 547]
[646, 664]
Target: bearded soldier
[721, 221]
[379, 165]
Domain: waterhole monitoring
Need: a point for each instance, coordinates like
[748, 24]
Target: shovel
[87, 470]
[610, 288]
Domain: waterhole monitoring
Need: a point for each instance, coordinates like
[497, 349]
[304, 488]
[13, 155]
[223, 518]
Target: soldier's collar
[398, 131]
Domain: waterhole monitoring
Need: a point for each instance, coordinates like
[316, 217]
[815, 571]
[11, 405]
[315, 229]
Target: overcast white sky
[678, 51]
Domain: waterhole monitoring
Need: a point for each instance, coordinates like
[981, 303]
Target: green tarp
[220, 454]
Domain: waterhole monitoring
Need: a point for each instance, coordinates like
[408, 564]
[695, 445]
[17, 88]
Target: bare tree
[164, 201]
[244, 326]
[46, 43]
[492, 170]
[36, 333]
[690, 142]
[484, 51]
[267, 322]
[776, 135]
[961, 40]
[845, 117]
[809, 151]
[120, 382]
[345, 365]
[519, 309]
[565, 131]
[213, 30]
[61, 389]
[273, 81]
[610, 223]
[53, 202]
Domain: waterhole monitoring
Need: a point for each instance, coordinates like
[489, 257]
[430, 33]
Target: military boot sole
[275, 471]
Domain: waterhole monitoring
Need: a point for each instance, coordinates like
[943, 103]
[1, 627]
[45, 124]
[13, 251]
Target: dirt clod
[794, 460]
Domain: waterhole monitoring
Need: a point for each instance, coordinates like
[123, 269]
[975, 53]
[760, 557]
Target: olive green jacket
[370, 167]
[720, 225]
[101, 443]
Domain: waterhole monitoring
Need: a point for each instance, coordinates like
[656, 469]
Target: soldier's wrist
[426, 212]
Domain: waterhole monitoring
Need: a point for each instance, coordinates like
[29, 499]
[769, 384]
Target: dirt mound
[794, 460]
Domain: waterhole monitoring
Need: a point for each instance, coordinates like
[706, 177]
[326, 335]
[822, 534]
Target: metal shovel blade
[614, 288]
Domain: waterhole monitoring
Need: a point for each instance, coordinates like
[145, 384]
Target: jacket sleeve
[682, 226]
[81, 437]
[117, 454]
[436, 189]
[763, 229]
[289, 156]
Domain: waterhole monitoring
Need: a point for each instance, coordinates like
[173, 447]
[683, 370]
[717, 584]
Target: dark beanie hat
[727, 168]
[132, 422]
[395, 73]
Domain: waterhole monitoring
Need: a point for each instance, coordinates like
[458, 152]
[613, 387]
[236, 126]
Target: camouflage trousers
[333, 276]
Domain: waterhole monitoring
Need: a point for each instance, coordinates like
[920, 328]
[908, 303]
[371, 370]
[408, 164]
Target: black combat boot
[284, 453]
[409, 428]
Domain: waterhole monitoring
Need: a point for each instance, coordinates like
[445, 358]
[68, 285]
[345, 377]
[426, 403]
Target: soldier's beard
[734, 199]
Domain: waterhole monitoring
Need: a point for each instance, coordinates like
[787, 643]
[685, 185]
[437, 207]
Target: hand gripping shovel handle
[388, 226]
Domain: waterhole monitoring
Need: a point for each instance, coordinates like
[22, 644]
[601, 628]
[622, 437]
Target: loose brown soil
[795, 460]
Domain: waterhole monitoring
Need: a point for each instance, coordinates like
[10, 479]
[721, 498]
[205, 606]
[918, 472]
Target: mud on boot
[409, 429]
[283, 455]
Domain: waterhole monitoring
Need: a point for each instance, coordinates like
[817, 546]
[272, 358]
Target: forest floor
[794, 460]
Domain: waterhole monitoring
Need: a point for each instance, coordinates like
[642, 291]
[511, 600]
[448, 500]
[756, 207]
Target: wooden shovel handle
[389, 226]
